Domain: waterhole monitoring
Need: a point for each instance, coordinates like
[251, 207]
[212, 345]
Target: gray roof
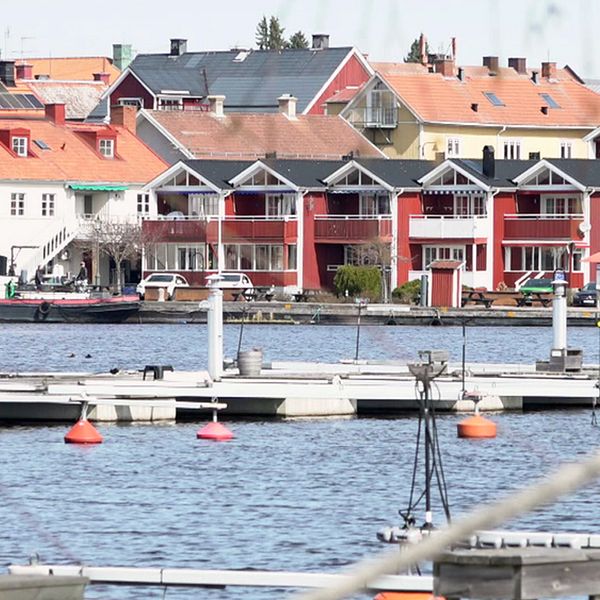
[219, 172]
[249, 85]
[255, 82]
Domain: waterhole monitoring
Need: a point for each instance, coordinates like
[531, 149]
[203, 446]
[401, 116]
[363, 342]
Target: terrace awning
[93, 187]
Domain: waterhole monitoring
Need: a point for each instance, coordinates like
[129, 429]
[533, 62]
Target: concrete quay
[288, 390]
[313, 313]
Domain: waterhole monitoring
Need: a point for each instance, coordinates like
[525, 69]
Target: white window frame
[452, 147]
[438, 252]
[558, 205]
[512, 149]
[566, 149]
[106, 147]
[373, 204]
[20, 145]
[543, 258]
[137, 102]
[143, 204]
[280, 205]
[17, 204]
[475, 205]
[203, 205]
[165, 103]
[48, 205]
[272, 256]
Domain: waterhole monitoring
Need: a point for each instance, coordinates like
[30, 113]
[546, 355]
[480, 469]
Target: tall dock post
[559, 312]
[215, 328]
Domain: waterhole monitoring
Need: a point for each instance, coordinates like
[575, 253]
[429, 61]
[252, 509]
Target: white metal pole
[559, 317]
[215, 331]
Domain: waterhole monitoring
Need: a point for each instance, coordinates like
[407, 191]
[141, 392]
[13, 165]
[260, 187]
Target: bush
[358, 281]
[408, 293]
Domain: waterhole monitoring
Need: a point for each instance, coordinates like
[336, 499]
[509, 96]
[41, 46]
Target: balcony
[543, 227]
[355, 229]
[181, 229]
[260, 229]
[449, 227]
[375, 117]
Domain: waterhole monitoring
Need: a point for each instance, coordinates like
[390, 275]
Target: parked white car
[234, 280]
[169, 281]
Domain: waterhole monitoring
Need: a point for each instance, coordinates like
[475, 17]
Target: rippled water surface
[304, 495]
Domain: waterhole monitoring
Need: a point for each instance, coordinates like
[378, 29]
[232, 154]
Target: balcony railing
[449, 226]
[543, 227]
[379, 117]
[352, 228]
[260, 229]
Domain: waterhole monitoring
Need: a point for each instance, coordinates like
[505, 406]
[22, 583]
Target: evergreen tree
[298, 40]
[262, 34]
[276, 39]
[414, 54]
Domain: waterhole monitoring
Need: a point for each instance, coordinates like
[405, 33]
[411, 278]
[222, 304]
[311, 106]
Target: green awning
[92, 187]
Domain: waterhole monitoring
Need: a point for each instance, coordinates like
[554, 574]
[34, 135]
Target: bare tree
[119, 241]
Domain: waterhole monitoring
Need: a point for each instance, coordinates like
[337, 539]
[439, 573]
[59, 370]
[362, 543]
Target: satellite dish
[584, 227]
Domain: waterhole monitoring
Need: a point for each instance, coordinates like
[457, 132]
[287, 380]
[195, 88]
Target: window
[190, 258]
[374, 204]
[561, 205]
[47, 205]
[469, 205]
[250, 257]
[565, 149]
[432, 253]
[137, 102]
[542, 258]
[493, 98]
[280, 205]
[550, 101]
[19, 146]
[179, 257]
[203, 205]
[106, 147]
[17, 205]
[170, 104]
[452, 147]
[292, 262]
[41, 144]
[143, 204]
[512, 149]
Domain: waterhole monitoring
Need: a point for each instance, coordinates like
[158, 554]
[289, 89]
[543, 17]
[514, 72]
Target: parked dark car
[586, 296]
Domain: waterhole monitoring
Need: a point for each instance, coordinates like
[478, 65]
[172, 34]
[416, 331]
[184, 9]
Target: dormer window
[106, 147]
[19, 145]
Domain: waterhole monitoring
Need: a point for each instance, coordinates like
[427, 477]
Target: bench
[304, 295]
[157, 370]
[529, 298]
[476, 297]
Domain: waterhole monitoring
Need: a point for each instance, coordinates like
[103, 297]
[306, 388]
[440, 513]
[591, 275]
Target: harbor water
[297, 495]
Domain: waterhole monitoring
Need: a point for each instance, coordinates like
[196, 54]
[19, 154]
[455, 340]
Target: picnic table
[254, 293]
[528, 298]
[476, 297]
[303, 295]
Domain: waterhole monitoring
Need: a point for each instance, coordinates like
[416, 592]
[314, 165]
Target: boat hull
[105, 310]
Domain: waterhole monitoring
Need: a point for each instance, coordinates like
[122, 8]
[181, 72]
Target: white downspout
[498, 138]
[394, 249]
[220, 248]
[490, 253]
[300, 240]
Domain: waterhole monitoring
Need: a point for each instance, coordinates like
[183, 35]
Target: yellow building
[416, 111]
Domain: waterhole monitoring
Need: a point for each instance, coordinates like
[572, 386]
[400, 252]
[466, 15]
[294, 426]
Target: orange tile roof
[343, 96]
[73, 68]
[243, 135]
[72, 158]
[438, 99]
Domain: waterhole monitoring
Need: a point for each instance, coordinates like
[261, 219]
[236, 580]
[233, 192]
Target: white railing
[210, 218]
[353, 217]
[448, 226]
[50, 247]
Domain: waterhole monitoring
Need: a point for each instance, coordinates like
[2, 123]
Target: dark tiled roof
[585, 171]
[398, 173]
[305, 173]
[255, 82]
[505, 170]
[219, 172]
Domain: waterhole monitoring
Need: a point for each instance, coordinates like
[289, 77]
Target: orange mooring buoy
[214, 431]
[476, 427]
[83, 432]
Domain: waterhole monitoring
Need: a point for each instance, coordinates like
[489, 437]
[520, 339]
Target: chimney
[549, 70]
[423, 49]
[474, 106]
[489, 164]
[492, 63]
[216, 104]
[103, 77]
[518, 64]
[55, 113]
[320, 41]
[461, 74]
[122, 55]
[24, 71]
[7, 72]
[124, 116]
[444, 66]
[544, 110]
[287, 105]
[534, 77]
[178, 46]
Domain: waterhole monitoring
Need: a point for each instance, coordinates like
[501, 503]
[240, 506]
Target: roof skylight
[550, 101]
[493, 98]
